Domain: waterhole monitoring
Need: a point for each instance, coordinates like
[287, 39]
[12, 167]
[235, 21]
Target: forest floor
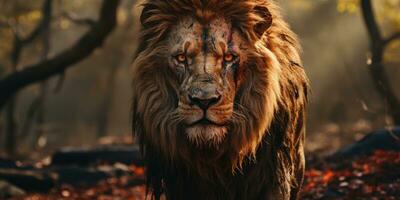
[376, 176]
[366, 169]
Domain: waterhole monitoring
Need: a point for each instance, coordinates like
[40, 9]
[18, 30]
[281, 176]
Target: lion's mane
[262, 155]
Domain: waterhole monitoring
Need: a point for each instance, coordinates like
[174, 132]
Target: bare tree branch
[20, 43]
[81, 49]
[395, 36]
[77, 20]
[46, 10]
[25, 129]
[60, 82]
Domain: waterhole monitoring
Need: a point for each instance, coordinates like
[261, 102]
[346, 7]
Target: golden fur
[260, 154]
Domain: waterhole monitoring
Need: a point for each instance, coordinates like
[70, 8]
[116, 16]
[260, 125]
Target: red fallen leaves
[373, 177]
[315, 177]
[139, 171]
[98, 192]
[328, 176]
[128, 187]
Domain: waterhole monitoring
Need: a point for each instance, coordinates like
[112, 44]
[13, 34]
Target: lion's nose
[204, 102]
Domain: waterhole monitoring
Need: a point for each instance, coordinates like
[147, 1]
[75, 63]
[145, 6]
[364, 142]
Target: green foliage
[393, 51]
[16, 17]
[350, 6]
[388, 15]
[387, 11]
[391, 10]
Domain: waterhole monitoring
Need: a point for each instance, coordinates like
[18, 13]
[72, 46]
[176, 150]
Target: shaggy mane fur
[262, 155]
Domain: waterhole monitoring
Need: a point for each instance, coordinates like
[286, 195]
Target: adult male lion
[219, 100]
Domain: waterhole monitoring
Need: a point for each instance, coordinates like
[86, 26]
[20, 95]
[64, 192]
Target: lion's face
[204, 75]
[206, 59]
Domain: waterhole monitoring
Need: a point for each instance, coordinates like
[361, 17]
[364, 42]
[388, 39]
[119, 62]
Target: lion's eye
[228, 58]
[181, 58]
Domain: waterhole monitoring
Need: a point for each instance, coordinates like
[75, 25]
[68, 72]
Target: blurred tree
[121, 36]
[16, 80]
[381, 47]
[19, 43]
[378, 44]
[59, 63]
[40, 117]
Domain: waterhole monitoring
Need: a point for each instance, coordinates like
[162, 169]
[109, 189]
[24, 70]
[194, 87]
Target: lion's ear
[264, 24]
[146, 13]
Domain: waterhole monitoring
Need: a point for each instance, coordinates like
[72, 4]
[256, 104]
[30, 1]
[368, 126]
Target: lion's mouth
[206, 131]
[205, 122]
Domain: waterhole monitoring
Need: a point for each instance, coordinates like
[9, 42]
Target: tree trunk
[105, 105]
[40, 118]
[382, 85]
[18, 45]
[10, 126]
[377, 71]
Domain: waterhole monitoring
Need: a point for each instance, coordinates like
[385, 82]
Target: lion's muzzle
[203, 106]
[203, 93]
[203, 96]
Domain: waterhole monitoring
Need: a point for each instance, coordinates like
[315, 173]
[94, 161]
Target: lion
[219, 100]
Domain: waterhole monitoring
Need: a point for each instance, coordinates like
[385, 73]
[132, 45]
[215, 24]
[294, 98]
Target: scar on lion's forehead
[220, 28]
[188, 29]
